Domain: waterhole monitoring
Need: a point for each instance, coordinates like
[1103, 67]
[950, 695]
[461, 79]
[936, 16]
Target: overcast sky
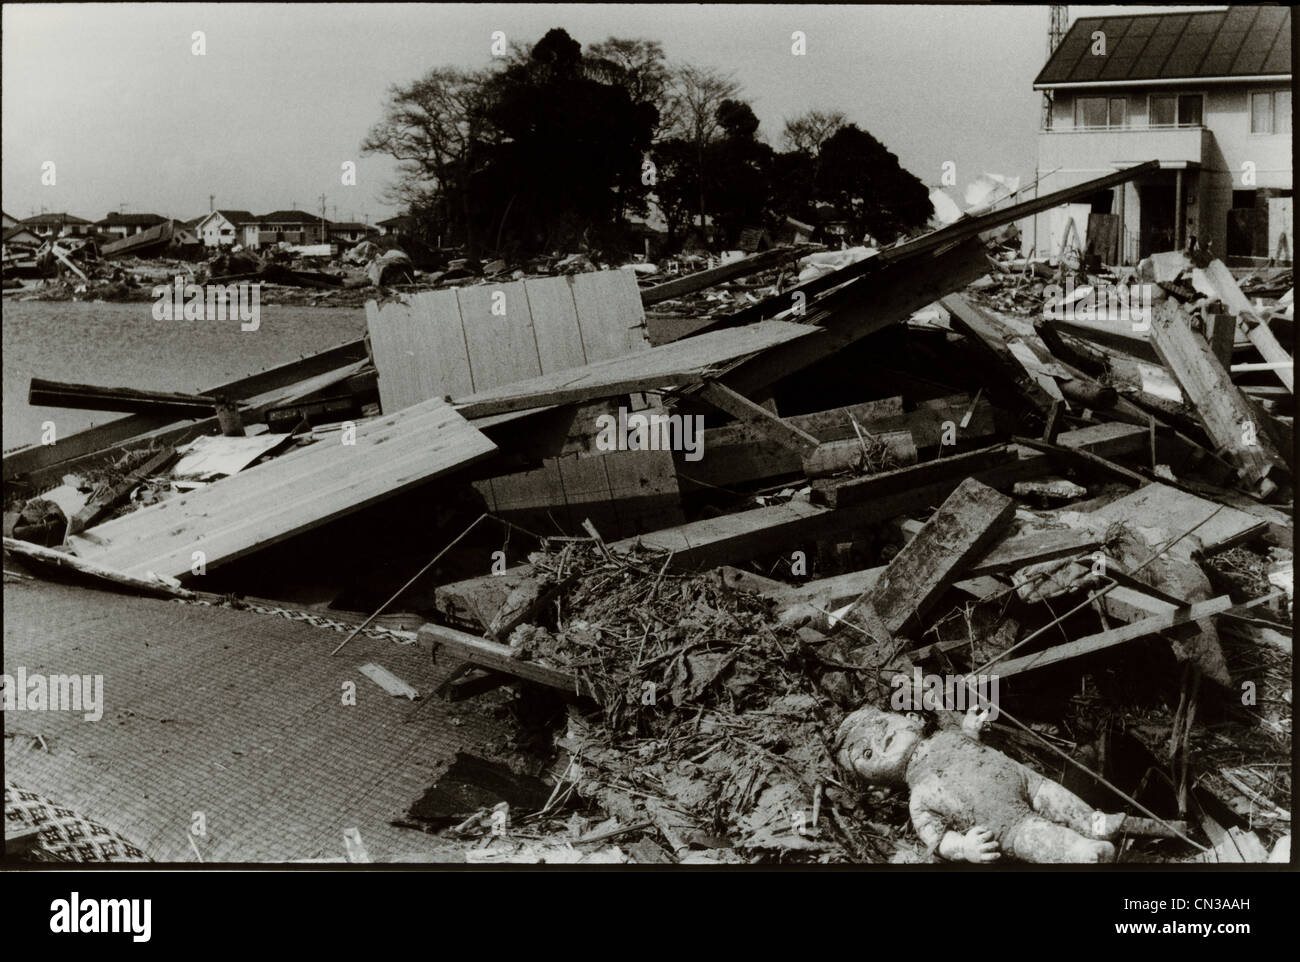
[113, 95]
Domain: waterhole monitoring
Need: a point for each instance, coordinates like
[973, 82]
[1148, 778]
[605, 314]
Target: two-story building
[222, 228]
[297, 227]
[1208, 95]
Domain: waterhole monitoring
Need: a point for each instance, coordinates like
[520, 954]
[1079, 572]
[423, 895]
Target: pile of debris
[720, 562]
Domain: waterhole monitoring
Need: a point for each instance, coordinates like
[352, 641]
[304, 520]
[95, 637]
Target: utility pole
[1059, 14]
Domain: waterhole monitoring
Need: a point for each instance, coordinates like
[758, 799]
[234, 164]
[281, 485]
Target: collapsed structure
[918, 470]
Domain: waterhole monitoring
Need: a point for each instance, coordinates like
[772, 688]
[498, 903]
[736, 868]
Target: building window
[1270, 112]
[1176, 110]
[1099, 112]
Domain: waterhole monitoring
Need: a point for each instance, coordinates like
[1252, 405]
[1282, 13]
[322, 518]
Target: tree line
[557, 148]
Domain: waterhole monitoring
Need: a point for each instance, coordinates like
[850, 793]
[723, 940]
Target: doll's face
[877, 745]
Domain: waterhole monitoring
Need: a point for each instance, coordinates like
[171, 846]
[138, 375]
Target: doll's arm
[977, 845]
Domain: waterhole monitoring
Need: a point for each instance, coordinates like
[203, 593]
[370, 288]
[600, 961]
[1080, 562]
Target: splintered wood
[965, 524]
[1236, 424]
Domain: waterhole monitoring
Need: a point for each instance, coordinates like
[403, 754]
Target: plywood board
[294, 493]
[452, 342]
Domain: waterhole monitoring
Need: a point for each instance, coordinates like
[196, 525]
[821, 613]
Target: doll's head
[877, 745]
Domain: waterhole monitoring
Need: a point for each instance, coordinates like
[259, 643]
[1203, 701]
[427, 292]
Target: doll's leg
[1038, 840]
[1056, 803]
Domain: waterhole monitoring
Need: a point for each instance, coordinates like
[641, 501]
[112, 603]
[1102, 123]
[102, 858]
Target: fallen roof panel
[294, 493]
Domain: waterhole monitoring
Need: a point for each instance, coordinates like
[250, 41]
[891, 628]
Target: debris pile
[695, 521]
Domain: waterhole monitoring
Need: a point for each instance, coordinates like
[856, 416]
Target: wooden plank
[776, 428]
[643, 488]
[587, 493]
[1115, 636]
[47, 556]
[887, 296]
[737, 452]
[92, 397]
[291, 494]
[860, 490]
[1216, 278]
[555, 324]
[38, 456]
[1161, 506]
[490, 654]
[682, 362]
[610, 315]
[1015, 551]
[176, 433]
[994, 338]
[835, 457]
[681, 286]
[502, 347]
[965, 524]
[389, 682]
[1235, 423]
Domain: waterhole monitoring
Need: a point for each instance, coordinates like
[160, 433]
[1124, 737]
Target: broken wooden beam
[89, 397]
[101, 505]
[963, 527]
[764, 421]
[497, 657]
[1234, 423]
[1215, 278]
[47, 556]
[1115, 636]
[994, 340]
[738, 453]
[698, 281]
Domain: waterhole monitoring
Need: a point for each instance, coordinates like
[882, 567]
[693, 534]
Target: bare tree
[636, 65]
[808, 131]
[431, 128]
[694, 96]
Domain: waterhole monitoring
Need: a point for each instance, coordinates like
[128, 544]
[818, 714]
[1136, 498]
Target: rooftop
[1243, 42]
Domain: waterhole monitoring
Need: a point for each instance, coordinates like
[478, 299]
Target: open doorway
[1156, 223]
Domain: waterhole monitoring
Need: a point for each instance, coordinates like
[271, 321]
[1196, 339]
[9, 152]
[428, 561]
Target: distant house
[222, 228]
[21, 234]
[58, 225]
[296, 227]
[350, 232]
[1208, 95]
[400, 226]
[124, 225]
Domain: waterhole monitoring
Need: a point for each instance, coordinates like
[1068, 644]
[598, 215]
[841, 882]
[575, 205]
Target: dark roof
[401, 220]
[1240, 42]
[16, 230]
[53, 220]
[235, 217]
[349, 225]
[288, 217]
[115, 219]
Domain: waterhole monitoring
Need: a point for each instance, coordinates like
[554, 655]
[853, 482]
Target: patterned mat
[65, 835]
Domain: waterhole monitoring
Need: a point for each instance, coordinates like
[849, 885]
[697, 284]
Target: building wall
[1222, 148]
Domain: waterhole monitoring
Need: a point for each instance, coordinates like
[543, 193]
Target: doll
[970, 802]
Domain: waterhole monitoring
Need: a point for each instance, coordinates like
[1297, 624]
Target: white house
[1208, 95]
